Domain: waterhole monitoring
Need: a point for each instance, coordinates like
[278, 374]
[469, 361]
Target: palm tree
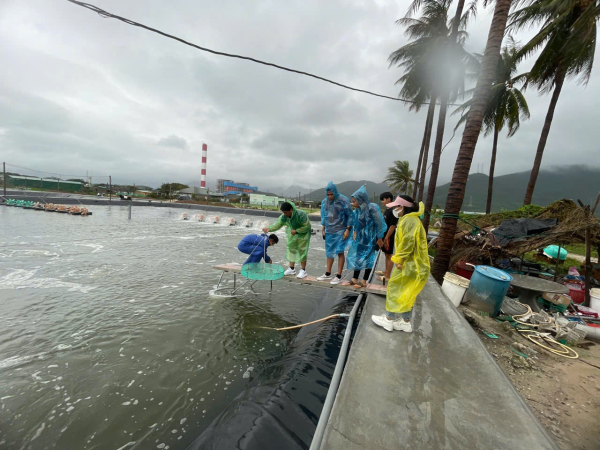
[470, 135]
[567, 42]
[506, 106]
[452, 67]
[420, 61]
[399, 177]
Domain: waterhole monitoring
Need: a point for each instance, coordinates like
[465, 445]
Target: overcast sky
[81, 93]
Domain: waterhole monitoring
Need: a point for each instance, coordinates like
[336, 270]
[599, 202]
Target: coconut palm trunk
[470, 136]
[537, 162]
[488, 206]
[435, 163]
[422, 165]
[420, 162]
[427, 137]
[439, 138]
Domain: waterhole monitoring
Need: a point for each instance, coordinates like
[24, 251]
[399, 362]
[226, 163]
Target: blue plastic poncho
[411, 253]
[256, 246]
[336, 216]
[369, 225]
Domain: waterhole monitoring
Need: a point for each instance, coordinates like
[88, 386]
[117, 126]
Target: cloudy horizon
[81, 93]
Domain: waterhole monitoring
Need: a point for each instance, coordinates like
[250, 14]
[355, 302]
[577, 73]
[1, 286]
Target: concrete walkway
[435, 388]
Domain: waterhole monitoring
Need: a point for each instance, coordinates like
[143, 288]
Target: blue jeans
[394, 316]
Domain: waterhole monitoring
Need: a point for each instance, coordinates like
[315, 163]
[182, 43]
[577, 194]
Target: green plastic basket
[262, 271]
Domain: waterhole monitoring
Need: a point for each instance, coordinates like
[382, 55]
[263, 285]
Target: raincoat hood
[331, 187]
[362, 197]
[419, 213]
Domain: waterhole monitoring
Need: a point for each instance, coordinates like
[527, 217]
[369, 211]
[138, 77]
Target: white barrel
[454, 286]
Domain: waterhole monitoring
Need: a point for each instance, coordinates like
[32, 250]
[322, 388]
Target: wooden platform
[371, 288]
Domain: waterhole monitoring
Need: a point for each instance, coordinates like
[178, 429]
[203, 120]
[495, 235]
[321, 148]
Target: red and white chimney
[203, 175]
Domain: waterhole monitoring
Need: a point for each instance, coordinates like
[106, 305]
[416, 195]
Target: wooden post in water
[130, 201]
[109, 188]
[4, 169]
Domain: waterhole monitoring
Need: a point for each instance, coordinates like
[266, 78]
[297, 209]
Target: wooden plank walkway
[371, 288]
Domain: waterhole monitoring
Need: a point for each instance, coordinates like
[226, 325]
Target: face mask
[397, 213]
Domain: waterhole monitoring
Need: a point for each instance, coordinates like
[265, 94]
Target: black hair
[286, 206]
[274, 238]
[385, 195]
[410, 209]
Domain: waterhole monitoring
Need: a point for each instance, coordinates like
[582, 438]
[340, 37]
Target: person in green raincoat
[411, 260]
[297, 231]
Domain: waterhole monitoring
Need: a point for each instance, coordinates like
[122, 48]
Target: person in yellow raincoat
[411, 269]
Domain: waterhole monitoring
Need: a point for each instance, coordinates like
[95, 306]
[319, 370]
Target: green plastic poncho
[411, 253]
[297, 246]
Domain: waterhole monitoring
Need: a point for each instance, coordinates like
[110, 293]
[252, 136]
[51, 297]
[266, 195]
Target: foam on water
[22, 279]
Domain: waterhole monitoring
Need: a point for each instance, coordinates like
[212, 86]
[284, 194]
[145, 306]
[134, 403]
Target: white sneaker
[401, 325]
[290, 271]
[336, 280]
[324, 277]
[383, 322]
[302, 274]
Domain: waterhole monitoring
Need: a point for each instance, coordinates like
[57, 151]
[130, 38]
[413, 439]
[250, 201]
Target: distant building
[43, 183]
[265, 200]
[229, 187]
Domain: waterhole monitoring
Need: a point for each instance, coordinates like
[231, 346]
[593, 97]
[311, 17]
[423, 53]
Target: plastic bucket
[487, 289]
[576, 291]
[595, 299]
[454, 286]
[465, 269]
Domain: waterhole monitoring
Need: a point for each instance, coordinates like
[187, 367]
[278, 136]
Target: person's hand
[265, 230]
[380, 243]
[354, 236]
[323, 230]
[399, 266]
[293, 232]
[386, 242]
[346, 234]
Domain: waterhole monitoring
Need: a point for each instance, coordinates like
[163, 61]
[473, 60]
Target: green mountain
[572, 182]
[348, 188]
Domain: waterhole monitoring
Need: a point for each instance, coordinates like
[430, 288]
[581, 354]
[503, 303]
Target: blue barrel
[487, 289]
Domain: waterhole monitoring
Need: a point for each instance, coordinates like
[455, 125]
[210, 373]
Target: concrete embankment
[437, 387]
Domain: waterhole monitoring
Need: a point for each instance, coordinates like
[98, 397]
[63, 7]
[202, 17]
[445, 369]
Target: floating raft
[371, 288]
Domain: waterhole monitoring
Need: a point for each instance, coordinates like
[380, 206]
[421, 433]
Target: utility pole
[109, 188]
[4, 169]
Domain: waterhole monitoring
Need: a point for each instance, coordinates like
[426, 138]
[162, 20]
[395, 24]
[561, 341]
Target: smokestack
[203, 175]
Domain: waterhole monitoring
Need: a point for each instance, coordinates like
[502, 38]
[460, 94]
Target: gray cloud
[173, 141]
[82, 93]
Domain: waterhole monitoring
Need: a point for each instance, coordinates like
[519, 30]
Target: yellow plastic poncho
[411, 253]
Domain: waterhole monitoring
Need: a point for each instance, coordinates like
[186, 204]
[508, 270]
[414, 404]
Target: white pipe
[337, 373]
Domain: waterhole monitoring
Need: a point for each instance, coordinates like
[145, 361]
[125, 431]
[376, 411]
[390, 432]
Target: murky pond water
[110, 338]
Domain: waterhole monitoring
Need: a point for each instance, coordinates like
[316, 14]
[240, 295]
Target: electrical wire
[107, 15]
[54, 173]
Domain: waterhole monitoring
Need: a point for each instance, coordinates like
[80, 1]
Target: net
[262, 271]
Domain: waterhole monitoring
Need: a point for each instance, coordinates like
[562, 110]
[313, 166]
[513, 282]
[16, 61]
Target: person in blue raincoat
[369, 228]
[256, 245]
[336, 219]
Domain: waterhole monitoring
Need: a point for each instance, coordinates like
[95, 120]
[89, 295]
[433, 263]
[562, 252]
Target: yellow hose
[532, 335]
[304, 324]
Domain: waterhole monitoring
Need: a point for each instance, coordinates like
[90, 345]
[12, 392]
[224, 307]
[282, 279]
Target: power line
[54, 173]
[107, 15]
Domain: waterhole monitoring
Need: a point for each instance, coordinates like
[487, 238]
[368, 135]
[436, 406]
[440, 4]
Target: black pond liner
[280, 408]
